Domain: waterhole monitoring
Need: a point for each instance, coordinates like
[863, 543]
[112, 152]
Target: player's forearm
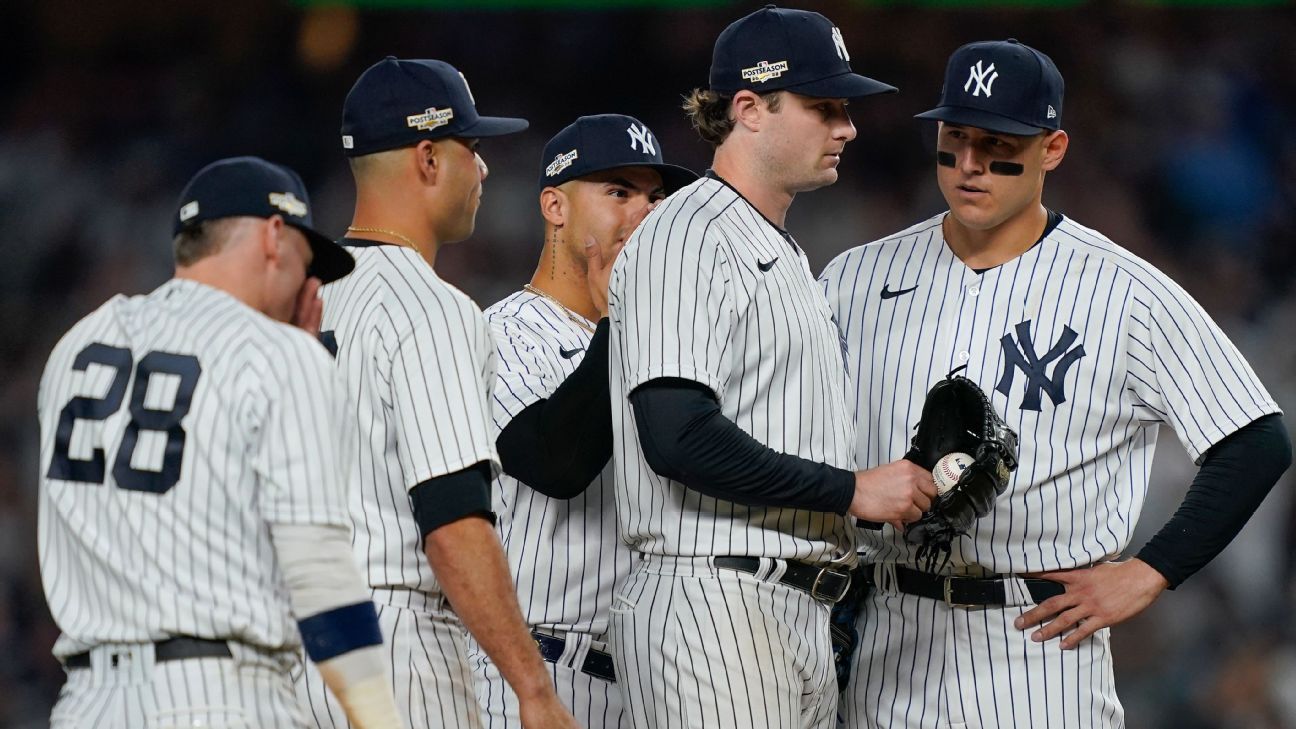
[558, 445]
[1234, 479]
[686, 438]
[338, 623]
[473, 573]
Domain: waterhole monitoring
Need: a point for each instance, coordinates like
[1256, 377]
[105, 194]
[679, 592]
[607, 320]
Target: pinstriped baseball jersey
[174, 427]
[1083, 347]
[710, 291]
[418, 361]
[564, 555]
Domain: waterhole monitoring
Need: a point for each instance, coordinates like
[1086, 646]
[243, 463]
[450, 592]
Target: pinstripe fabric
[701, 647]
[248, 692]
[564, 555]
[418, 361]
[931, 665]
[259, 445]
[1086, 350]
[708, 290]
[427, 646]
[1151, 357]
[595, 703]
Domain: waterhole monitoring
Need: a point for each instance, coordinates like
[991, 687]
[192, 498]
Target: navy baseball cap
[604, 142]
[251, 186]
[1001, 86]
[795, 50]
[398, 103]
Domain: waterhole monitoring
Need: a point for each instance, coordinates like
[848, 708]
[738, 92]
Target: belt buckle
[834, 599]
[947, 584]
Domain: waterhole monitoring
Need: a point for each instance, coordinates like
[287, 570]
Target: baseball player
[418, 360]
[1086, 351]
[732, 433]
[191, 499]
[599, 176]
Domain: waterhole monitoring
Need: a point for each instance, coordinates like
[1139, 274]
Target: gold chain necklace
[579, 320]
[384, 231]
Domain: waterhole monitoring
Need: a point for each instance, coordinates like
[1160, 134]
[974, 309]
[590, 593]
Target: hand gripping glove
[957, 417]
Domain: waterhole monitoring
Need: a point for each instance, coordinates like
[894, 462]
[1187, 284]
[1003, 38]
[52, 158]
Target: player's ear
[270, 232]
[747, 108]
[553, 206]
[427, 160]
[1055, 148]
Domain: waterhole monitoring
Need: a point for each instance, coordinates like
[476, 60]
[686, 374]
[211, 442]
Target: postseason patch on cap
[430, 119]
[764, 71]
[561, 162]
[288, 203]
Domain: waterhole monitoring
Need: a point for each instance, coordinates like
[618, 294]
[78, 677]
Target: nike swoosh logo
[889, 294]
[569, 353]
[767, 266]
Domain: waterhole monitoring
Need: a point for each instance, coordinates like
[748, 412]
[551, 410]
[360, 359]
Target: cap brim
[981, 119]
[494, 126]
[843, 86]
[331, 261]
[674, 177]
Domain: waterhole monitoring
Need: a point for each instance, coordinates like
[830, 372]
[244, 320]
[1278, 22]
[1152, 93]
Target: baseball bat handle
[871, 525]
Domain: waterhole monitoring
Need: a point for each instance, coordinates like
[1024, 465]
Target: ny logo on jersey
[1020, 354]
[641, 139]
[978, 75]
[840, 44]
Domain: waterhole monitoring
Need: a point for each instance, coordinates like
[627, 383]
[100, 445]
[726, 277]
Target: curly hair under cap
[708, 111]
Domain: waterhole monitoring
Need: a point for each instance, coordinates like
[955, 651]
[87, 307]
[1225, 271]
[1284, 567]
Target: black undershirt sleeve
[1235, 476]
[686, 438]
[558, 445]
[443, 499]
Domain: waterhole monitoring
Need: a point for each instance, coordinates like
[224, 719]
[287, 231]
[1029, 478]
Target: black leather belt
[173, 649]
[597, 663]
[823, 583]
[966, 591]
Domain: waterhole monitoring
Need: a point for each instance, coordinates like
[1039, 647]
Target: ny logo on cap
[840, 43]
[468, 88]
[560, 163]
[764, 71]
[288, 203]
[430, 119]
[978, 75]
[641, 139]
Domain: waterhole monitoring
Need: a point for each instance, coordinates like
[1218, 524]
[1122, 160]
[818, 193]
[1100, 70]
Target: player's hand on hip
[309, 311]
[546, 713]
[897, 493]
[600, 259]
[1096, 597]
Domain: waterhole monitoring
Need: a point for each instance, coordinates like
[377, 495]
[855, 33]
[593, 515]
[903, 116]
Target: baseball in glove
[957, 417]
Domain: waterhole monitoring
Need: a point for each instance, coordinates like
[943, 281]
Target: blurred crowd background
[1182, 150]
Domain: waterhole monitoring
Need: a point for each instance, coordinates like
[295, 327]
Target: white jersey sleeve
[1184, 371]
[670, 338]
[301, 468]
[525, 375]
[439, 398]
